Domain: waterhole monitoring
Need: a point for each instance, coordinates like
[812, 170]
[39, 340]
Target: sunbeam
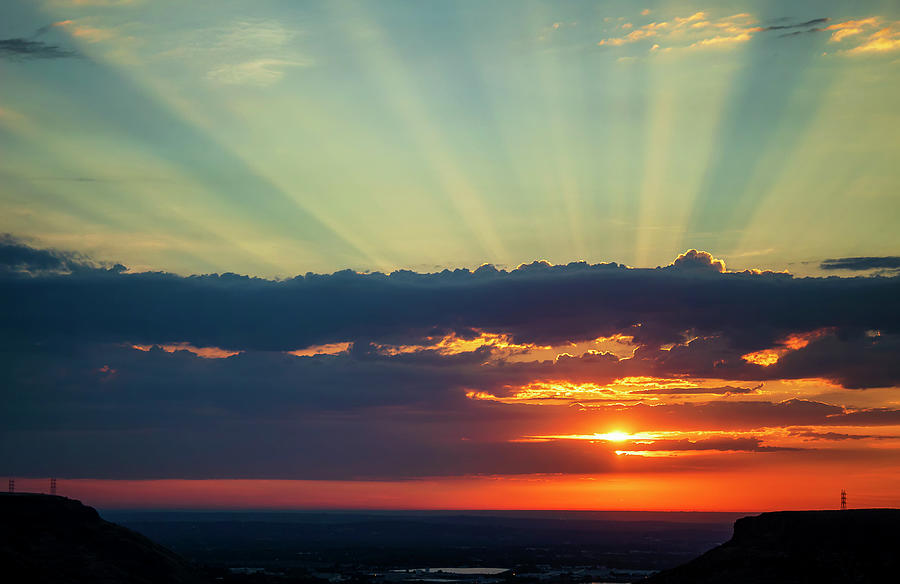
[401, 93]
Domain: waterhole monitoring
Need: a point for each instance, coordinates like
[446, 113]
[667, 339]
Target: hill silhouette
[794, 547]
[46, 539]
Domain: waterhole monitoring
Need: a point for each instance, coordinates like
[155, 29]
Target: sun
[615, 436]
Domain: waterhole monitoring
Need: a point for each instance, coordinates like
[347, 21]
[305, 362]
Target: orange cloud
[764, 358]
[885, 40]
[453, 344]
[205, 352]
[92, 34]
[793, 342]
[724, 40]
[696, 30]
[871, 34]
[88, 34]
[625, 390]
[327, 349]
[850, 28]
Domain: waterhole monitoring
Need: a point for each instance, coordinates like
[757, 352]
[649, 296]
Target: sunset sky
[404, 254]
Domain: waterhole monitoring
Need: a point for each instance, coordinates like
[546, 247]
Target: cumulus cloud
[698, 260]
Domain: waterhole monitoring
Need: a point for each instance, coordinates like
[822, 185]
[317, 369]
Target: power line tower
[12, 485]
[843, 500]
[53, 487]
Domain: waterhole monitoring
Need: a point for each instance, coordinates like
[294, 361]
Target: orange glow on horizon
[725, 490]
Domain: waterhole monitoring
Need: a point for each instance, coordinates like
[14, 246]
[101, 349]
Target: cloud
[723, 40]
[851, 357]
[748, 444]
[718, 415]
[31, 48]
[205, 352]
[862, 263]
[260, 72]
[884, 40]
[698, 260]
[18, 258]
[849, 28]
[811, 24]
[696, 31]
[728, 314]
[838, 436]
[22, 49]
[241, 52]
[865, 36]
[642, 33]
[697, 390]
[344, 375]
[49, 27]
[870, 35]
[87, 3]
[866, 417]
[100, 410]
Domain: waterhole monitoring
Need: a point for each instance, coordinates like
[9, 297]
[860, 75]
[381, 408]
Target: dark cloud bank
[20, 49]
[862, 263]
[81, 401]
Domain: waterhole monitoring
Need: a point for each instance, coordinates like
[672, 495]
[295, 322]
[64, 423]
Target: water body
[471, 544]
[462, 571]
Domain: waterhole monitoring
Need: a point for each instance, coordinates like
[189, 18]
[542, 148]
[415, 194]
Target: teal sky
[275, 138]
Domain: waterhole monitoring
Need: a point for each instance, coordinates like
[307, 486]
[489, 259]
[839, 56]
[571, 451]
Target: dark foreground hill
[46, 539]
[815, 547]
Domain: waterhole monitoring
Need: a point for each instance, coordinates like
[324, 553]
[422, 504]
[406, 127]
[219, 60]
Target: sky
[527, 255]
